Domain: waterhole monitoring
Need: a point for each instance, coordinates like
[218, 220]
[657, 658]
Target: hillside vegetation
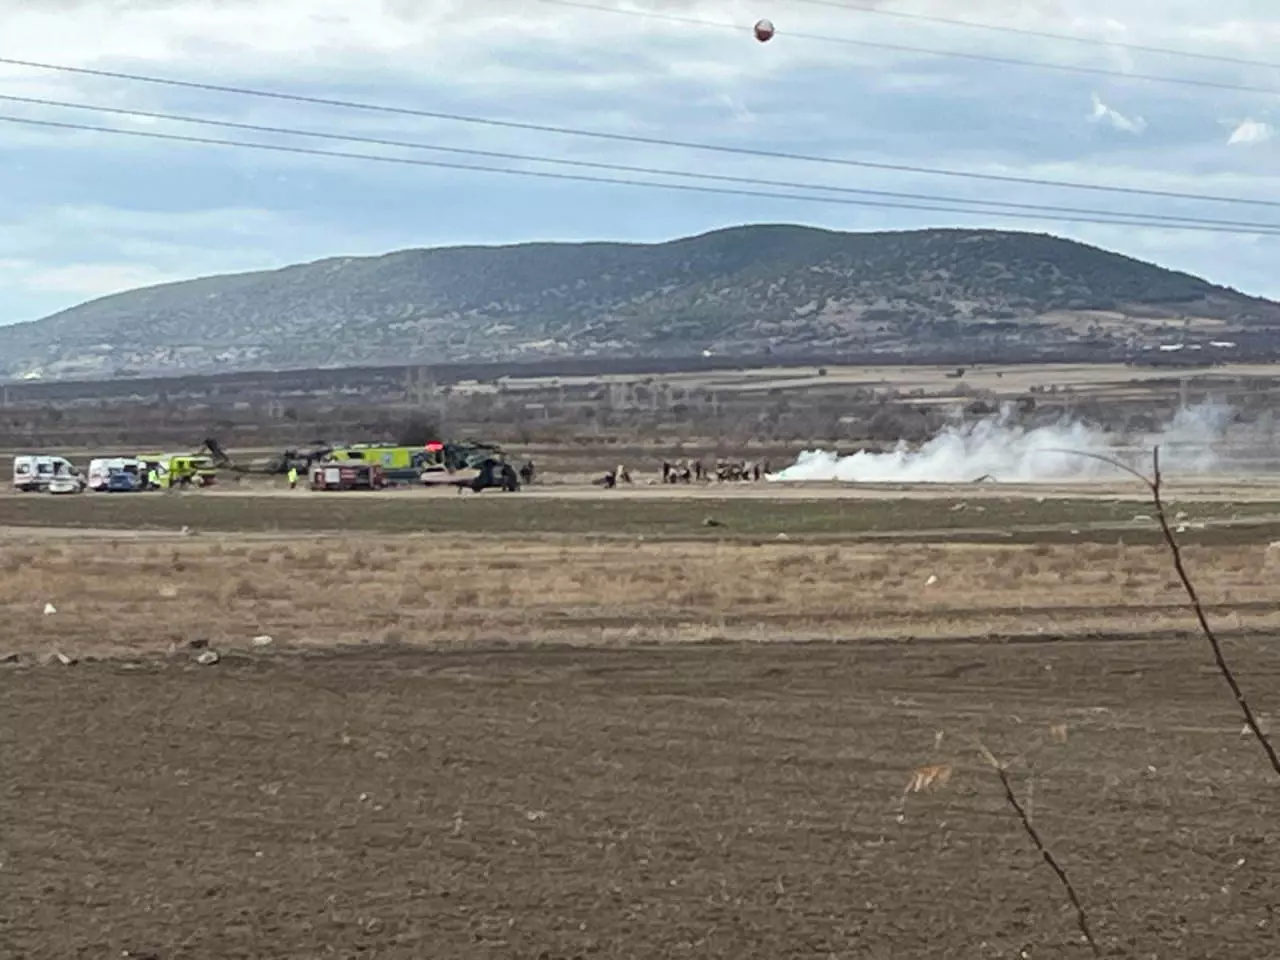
[744, 290]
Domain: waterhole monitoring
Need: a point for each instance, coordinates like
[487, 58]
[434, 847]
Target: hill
[743, 290]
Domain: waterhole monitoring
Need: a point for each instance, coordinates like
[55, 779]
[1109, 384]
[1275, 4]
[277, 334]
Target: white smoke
[999, 448]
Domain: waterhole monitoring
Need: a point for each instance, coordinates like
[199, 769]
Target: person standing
[293, 478]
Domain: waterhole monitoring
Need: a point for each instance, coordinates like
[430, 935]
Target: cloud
[83, 211]
[86, 280]
[1105, 114]
[1251, 131]
[69, 253]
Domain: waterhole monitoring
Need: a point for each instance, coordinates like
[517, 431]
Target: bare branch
[1103, 458]
[1082, 918]
[1153, 483]
[1223, 667]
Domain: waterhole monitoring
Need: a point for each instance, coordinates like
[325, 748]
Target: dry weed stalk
[1082, 918]
[923, 779]
[1153, 483]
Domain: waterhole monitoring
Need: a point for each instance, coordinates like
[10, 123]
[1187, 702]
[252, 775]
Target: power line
[631, 138]
[1157, 219]
[1124, 220]
[927, 51]
[1041, 34]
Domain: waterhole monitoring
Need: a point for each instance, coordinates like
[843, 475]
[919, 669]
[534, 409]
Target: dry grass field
[115, 596]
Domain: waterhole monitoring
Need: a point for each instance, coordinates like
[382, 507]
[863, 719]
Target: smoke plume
[1001, 449]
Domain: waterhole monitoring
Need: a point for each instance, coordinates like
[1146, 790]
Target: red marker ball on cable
[764, 30]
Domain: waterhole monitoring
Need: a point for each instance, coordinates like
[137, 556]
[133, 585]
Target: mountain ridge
[775, 288]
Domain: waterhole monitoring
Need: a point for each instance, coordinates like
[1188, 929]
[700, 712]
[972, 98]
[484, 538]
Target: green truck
[179, 469]
[402, 463]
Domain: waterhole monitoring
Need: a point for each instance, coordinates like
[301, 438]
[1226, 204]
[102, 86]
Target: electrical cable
[857, 8]
[585, 178]
[926, 51]
[1157, 219]
[634, 138]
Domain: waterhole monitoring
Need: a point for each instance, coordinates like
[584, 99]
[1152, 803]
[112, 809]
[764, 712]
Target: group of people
[695, 471]
[685, 471]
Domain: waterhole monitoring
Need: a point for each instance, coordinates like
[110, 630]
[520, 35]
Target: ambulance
[33, 474]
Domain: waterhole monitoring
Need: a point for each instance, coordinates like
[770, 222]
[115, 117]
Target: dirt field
[1003, 379]
[724, 801]
[569, 724]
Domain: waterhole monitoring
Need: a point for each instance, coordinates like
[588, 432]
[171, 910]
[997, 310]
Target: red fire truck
[348, 475]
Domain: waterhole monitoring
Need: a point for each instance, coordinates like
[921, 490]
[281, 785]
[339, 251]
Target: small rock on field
[933, 578]
[9, 658]
[198, 643]
[262, 640]
[57, 656]
[711, 522]
[208, 658]
[50, 609]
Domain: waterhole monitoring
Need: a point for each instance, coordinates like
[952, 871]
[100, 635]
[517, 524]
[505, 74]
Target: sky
[84, 214]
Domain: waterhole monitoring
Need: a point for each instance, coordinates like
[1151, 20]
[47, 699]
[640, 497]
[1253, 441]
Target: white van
[101, 469]
[32, 473]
